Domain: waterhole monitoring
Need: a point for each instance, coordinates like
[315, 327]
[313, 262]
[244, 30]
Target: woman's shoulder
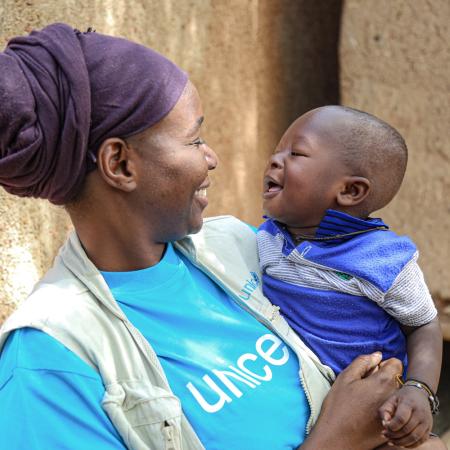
[53, 299]
[60, 305]
[29, 349]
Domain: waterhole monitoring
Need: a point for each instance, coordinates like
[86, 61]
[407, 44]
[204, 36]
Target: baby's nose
[276, 161]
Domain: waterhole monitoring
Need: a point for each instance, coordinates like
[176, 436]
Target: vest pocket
[146, 416]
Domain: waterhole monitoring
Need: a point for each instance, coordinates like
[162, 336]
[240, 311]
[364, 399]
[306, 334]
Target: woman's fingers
[361, 366]
[389, 369]
[371, 366]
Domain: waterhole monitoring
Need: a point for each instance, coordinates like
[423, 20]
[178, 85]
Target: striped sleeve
[409, 300]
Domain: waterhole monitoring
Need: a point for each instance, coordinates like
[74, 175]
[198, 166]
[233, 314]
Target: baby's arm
[406, 415]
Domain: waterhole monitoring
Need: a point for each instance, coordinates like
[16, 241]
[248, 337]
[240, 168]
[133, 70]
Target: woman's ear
[116, 164]
[354, 191]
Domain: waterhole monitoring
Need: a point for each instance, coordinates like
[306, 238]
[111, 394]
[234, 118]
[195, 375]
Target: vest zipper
[169, 438]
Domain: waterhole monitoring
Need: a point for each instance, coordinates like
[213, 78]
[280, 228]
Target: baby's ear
[354, 191]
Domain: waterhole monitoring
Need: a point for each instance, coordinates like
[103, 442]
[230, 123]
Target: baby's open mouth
[273, 187]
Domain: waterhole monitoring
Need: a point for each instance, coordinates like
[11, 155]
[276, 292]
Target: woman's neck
[112, 252]
[114, 240]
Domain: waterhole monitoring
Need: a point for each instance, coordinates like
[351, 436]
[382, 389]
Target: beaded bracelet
[432, 397]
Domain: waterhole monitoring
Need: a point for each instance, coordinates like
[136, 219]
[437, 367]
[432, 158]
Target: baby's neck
[300, 234]
[304, 233]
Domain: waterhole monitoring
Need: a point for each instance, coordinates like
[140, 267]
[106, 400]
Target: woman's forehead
[183, 121]
[187, 114]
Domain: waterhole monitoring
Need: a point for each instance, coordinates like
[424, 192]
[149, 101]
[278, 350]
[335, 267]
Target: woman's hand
[349, 418]
[434, 443]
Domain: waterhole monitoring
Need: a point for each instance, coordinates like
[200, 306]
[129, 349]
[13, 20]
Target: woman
[112, 130]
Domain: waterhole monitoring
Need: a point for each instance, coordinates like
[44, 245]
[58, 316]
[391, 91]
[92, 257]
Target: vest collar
[336, 223]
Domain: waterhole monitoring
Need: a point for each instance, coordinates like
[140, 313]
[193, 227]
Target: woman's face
[172, 171]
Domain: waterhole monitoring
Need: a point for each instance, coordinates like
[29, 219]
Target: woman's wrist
[323, 440]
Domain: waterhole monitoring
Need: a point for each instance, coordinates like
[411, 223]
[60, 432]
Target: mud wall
[395, 63]
[255, 63]
[258, 64]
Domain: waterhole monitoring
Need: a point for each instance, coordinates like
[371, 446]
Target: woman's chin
[195, 224]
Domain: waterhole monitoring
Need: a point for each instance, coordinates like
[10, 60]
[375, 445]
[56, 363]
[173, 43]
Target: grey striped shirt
[408, 300]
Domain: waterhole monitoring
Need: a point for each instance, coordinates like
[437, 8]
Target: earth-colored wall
[257, 65]
[395, 63]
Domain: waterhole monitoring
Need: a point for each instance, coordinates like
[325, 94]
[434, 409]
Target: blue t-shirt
[238, 383]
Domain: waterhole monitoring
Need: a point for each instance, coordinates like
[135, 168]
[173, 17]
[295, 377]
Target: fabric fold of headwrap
[62, 93]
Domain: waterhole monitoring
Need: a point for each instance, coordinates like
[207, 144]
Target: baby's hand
[406, 417]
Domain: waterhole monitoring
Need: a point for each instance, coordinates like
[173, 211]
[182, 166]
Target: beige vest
[73, 304]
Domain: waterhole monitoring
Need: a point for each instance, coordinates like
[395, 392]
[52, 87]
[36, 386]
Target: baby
[344, 282]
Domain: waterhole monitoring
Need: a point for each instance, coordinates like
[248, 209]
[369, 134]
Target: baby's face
[304, 175]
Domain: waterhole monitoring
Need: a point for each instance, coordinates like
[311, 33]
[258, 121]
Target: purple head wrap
[62, 93]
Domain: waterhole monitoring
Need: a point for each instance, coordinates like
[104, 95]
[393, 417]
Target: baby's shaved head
[371, 148]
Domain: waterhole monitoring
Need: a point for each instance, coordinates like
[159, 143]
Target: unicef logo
[250, 285]
[255, 277]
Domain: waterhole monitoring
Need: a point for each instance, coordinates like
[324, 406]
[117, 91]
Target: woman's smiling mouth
[201, 196]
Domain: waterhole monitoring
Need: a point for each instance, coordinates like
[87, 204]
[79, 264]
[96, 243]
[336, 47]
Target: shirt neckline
[159, 273]
[337, 223]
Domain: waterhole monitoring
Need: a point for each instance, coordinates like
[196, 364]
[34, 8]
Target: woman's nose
[211, 157]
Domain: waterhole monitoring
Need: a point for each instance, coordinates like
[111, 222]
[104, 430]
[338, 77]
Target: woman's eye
[198, 142]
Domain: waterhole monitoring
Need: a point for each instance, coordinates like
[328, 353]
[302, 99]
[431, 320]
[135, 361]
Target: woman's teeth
[200, 192]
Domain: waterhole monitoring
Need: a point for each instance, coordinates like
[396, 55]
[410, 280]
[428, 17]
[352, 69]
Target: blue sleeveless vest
[338, 326]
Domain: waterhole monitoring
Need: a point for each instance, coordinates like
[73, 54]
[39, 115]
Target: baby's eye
[297, 154]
